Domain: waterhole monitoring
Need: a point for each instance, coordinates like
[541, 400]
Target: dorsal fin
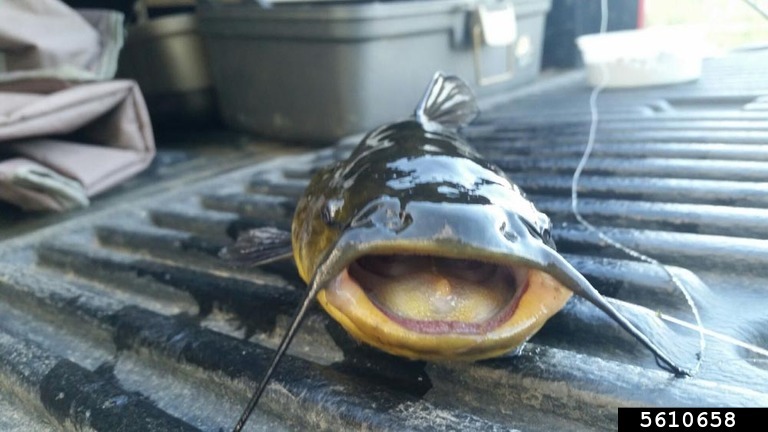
[448, 101]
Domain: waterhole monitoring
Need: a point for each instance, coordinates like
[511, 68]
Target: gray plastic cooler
[320, 71]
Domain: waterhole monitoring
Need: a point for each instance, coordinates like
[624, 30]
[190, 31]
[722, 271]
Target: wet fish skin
[415, 187]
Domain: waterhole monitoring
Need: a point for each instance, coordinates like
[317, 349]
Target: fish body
[418, 246]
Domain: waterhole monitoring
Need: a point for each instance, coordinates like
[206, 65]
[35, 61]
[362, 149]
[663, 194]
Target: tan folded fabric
[65, 135]
[96, 168]
[111, 113]
[103, 135]
[35, 187]
[48, 39]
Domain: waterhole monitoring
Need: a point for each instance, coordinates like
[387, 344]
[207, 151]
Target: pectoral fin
[259, 246]
[640, 322]
[679, 346]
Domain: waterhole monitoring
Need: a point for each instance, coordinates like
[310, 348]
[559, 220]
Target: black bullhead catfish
[419, 247]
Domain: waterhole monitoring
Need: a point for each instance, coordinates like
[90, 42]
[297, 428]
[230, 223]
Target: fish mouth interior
[438, 295]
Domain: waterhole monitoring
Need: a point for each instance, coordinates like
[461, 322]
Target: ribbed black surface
[126, 318]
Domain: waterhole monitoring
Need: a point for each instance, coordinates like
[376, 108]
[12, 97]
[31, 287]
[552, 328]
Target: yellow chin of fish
[347, 302]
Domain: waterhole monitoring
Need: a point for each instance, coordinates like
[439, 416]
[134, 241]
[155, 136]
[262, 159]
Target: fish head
[440, 280]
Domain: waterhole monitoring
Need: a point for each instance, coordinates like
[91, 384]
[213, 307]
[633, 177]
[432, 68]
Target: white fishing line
[717, 335]
[594, 116]
[723, 337]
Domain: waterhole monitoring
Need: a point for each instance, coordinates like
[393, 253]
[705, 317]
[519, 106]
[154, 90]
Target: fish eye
[325, 214]
[329, 210]
[546, 236]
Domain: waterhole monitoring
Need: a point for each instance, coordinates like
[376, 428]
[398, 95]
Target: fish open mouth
[431, 307]
[438, 295]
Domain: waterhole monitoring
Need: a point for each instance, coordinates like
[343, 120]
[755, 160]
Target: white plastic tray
[636, 58]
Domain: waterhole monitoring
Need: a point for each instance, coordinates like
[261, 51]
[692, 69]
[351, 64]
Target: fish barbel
[418, 246]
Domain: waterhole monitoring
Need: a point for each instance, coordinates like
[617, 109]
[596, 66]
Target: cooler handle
[494, 27]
